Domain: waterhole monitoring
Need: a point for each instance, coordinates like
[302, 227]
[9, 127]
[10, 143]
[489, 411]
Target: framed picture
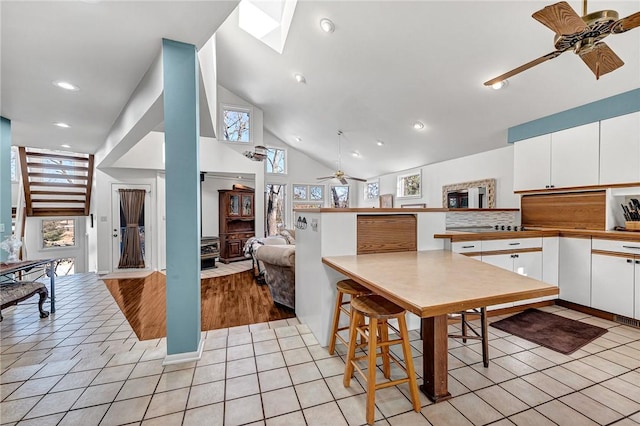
[386, 201]
[409, 185]
[340, 197]
[417, 205]
[300, 192]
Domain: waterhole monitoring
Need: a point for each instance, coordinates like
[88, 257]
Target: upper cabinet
[620, 149]
[532, 163]
[567, 158]
[574, 156]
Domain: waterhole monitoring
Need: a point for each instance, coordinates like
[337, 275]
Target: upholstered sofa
[276, 258]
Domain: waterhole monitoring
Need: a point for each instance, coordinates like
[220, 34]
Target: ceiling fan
[583, 34]
[339, 174]
[259, 153]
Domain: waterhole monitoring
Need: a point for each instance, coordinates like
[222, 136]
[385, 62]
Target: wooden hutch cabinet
[237, 223]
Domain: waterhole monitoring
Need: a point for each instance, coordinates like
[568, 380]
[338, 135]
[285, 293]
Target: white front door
[118, 224]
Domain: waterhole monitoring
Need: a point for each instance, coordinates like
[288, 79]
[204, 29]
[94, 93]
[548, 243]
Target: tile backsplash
[481, 218]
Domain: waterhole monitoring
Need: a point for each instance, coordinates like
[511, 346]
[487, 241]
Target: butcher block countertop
[457, 236]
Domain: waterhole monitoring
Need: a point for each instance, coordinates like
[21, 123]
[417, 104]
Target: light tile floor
[85, 366]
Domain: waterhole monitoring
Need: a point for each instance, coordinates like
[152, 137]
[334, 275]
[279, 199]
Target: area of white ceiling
[386, 65]
[104, 47]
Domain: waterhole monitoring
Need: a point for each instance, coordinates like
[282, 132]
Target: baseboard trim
[184, 356]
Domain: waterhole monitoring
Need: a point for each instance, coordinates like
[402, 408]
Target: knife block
[632, 226]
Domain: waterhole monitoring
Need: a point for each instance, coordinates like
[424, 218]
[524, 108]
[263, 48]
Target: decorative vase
[12, 246]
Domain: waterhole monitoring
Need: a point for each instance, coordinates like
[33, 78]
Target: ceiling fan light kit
[582, 34]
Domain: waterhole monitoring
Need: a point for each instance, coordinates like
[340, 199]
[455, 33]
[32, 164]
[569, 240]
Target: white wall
[497, 164]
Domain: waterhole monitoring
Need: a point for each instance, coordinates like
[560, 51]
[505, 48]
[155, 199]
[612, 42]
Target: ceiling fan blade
[355, 178]
[325, 177]
[343, 181]
[626, 24]
[560, 18]
[601, 59]
[523, 68]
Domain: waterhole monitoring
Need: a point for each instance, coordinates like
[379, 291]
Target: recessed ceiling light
[500, 85]
[300, 78]
[355, 154]
[65, 145]
[63, 125]
[418, 125]
[239, 177]
[379, 143]
[298, 139]
[66, 85]
[327, 25]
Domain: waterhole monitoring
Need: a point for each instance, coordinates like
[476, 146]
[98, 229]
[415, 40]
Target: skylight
[269, 22]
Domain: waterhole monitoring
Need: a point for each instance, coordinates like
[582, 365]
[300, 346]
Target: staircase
[55, 183]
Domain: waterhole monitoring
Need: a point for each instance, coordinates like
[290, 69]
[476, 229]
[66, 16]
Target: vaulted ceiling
[387, 65]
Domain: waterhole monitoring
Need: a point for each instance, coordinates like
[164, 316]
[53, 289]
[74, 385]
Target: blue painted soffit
[623, 103]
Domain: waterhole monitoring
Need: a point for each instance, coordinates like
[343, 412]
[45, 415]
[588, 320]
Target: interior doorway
[125, 228]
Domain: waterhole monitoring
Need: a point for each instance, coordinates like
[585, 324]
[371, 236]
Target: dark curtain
[131, 203]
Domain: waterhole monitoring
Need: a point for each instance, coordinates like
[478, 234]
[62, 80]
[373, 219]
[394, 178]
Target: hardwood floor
[227, 301]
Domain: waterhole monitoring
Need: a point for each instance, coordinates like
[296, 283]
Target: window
[236, 124]
[276, 161]
[371, 190]
[14, 165]
[307, 197]
[58, 233]
[340, 197]
[275, 202]
[409, 185]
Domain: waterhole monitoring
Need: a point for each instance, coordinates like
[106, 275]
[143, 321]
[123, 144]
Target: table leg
[435, 358]
[52, 294]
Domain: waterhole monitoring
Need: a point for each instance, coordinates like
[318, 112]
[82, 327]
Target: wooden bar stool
[376, 334]
[353, 289]
[483, 335]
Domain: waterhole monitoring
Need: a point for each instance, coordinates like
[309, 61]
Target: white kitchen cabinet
[637, 289]
[523, 263]
[612, 283]
[575, 156]
[567, 158]
[466, 246]
[532, 163]
[574, 270]
[620, 149]
[550, 253]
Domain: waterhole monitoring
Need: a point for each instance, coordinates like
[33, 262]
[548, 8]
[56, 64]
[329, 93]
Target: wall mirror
[480, 194]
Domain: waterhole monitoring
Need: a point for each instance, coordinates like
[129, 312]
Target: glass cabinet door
[234, 205]
[247, 205]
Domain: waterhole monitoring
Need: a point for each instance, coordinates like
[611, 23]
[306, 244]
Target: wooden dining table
[432, 284]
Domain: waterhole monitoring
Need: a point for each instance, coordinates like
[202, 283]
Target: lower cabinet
[574, 270]
[527, 263]
[613, 279]
[232, 246]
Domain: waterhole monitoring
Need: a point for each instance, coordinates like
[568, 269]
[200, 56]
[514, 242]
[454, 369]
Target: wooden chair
[469, 332]
[353, 289]
[376, 335]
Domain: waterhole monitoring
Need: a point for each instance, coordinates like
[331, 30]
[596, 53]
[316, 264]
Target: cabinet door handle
[638, 262]
[468, 246]
[514, 244]
[632, 247]
[629, 261]
[516, 255]
[546, 186]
